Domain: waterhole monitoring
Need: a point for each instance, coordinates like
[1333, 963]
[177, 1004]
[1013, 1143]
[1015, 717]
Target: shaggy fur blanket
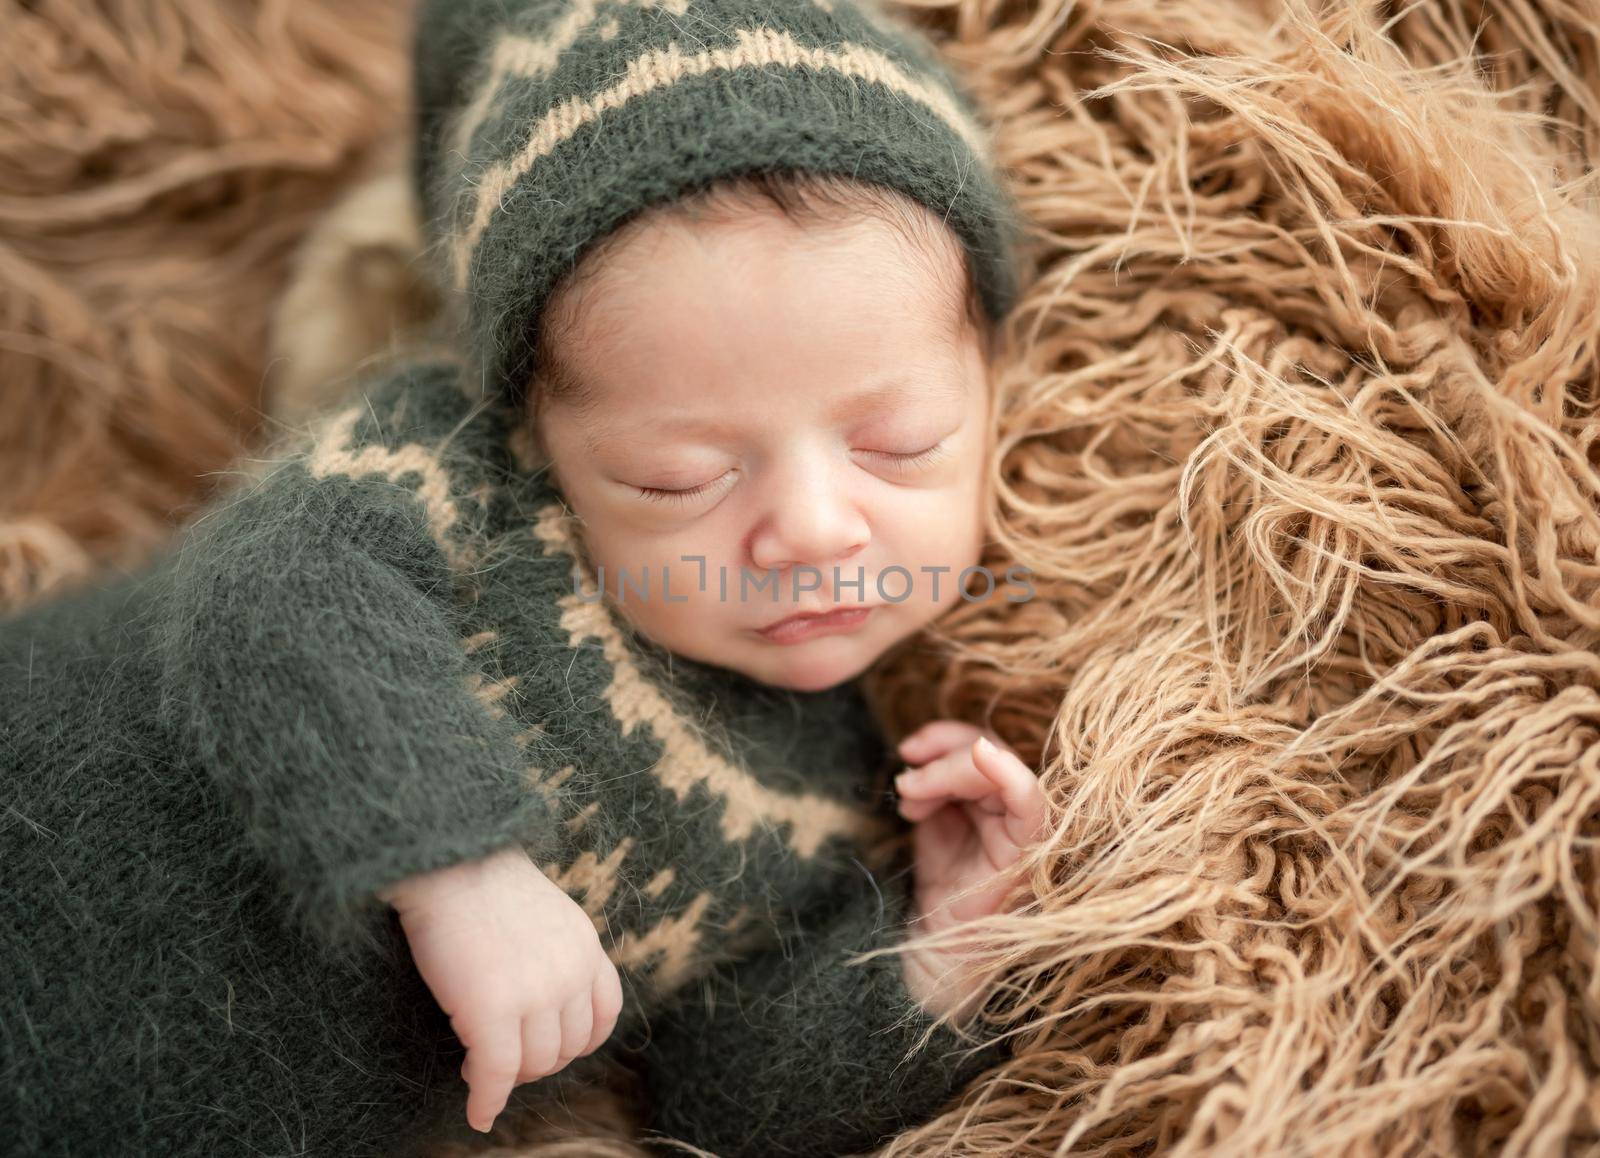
[1298, 438]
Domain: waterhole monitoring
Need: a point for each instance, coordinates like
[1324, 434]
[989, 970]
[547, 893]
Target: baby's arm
[798, 1052]
[976, 807]
[516, 964]
[332, 687]
[311, 658]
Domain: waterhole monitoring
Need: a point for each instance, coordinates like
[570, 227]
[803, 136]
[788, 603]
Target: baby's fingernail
[986, 744]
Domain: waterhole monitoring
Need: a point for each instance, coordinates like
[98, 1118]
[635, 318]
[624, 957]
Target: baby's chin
[814, 666]
[814, 672]
[811, 666]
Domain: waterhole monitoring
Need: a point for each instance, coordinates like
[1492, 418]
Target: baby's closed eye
[900, 461]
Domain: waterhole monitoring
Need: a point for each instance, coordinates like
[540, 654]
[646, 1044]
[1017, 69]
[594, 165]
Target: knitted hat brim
[676, 120]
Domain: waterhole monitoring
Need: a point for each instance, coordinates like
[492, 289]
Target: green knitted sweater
[381, 657]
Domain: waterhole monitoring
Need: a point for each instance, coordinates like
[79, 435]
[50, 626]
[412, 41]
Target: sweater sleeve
[313, 663]
[796, 1051]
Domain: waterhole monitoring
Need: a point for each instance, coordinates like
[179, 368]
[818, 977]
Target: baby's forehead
[918, 255]
[666, 406]
[628, 328]
[658, 418]
[608, 336]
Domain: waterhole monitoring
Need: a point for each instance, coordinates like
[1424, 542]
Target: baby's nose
[809, 530]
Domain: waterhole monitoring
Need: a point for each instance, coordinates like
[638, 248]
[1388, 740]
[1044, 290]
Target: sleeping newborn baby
[744, 488]
[511, 644]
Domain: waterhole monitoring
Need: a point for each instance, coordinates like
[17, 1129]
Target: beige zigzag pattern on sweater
[595, 878]
[748, 805]
[669, 949]
[330, 455]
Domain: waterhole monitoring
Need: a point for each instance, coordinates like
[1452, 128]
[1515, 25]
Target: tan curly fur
[1298, 440]
[1296, 432]
[159, 161]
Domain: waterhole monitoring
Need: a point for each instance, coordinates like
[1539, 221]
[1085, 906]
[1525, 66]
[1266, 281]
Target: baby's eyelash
[656, 495]
[915, 458]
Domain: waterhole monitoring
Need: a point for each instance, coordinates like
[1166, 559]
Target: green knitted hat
[544, 124]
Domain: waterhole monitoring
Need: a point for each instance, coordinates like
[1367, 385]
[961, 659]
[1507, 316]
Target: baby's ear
[547, 460]
[528, 448]
[535, 405]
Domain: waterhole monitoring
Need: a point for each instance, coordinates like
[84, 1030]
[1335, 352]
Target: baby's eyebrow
[899, 391]
[654, 427]
[881, 396]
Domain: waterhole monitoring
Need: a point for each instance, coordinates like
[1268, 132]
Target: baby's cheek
[949, 536]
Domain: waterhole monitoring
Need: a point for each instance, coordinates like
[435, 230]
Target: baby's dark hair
[803, 196]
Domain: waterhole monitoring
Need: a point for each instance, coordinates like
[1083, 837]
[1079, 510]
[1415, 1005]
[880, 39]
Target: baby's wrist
[463, 874]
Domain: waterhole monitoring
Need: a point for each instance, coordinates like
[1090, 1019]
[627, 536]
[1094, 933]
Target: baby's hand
[518, 966]
[976, 806]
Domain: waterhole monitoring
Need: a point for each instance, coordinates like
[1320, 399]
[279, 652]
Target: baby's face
[781, 403]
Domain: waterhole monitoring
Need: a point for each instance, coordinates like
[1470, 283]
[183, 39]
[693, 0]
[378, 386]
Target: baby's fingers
[577, 1026]
[607, 1002]
[937, 738]
[542, 1034]
[952, 777]
[494, 1058]
[1026, 811]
